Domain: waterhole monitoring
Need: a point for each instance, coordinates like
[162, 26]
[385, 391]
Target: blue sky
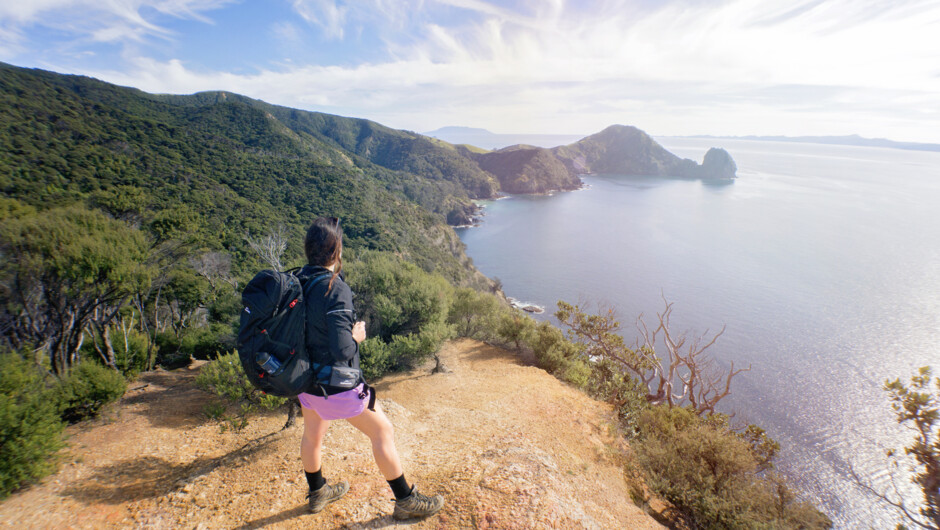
[672, 67]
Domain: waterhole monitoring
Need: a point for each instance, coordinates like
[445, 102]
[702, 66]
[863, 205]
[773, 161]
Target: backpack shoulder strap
[308, 282]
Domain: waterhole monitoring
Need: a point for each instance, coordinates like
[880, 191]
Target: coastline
[718, 250]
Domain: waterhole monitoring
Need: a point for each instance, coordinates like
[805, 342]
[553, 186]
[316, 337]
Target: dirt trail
[508, 445]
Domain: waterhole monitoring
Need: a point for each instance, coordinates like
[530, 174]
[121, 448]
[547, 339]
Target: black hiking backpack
[272, 333]
[272, 339]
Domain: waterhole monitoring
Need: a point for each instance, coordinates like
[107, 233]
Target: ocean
[822, 262]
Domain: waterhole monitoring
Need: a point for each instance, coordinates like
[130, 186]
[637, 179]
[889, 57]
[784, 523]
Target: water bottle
[268, 362]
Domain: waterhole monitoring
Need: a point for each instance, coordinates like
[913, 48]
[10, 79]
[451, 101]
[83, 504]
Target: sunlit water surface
[822, 261]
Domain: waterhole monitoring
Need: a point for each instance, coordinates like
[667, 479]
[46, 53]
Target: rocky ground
[508, 445]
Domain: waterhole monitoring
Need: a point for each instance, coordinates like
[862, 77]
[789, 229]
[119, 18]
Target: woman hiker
[331, 327]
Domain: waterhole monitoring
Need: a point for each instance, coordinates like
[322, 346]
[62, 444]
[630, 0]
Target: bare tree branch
[899, 504]
[270, 247]
[682, 374]
[213, 266]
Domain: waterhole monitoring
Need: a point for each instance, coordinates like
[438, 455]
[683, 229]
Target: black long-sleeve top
[330, 318]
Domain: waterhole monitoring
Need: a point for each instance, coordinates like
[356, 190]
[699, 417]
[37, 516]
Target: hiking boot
[318, 499]
[417, 505]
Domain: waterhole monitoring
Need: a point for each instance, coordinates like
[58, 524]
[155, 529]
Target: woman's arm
[340, 319]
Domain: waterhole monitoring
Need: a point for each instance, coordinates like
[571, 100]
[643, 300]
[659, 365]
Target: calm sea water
[822, 261]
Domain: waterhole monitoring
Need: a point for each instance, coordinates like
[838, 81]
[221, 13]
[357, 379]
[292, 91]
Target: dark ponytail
[324, 245]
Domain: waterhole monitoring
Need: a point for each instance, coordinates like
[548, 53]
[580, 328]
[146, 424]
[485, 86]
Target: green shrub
[214, 410]
[570, 364]
[130, 350]
[515, 328]
[174, 360]
[207, 342]
[375, 358]
[226, 307]
[609, 383]
[169, 351]
[225, 378]
[30, 427]
[405, 310]
[167, 342]
[713, 474]
[559, 356]
[395, 297]
[130, 357]
[86, 389]
[474, 314]
[411, 350]
[543, 338]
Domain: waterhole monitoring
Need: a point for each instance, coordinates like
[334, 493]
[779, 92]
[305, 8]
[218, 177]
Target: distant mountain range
[852, 139]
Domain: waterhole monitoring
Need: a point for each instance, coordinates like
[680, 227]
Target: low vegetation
[87, 388]
[716, 476]
[225, 378]
[30, 425]
[917, 407]
[35, 407]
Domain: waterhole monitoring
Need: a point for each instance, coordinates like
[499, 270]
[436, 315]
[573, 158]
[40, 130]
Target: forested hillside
[130, 222]
[218, 167]
[526, 169]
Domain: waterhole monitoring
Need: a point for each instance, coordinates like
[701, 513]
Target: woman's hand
[359, 331]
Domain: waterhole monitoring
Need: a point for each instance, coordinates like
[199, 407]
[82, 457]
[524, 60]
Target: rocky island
[625, 150]
[618, 150]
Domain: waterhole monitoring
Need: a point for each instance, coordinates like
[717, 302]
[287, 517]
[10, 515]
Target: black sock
[400, 487]
[315, 479]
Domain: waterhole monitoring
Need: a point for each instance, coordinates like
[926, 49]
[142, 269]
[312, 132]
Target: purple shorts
[338, 406]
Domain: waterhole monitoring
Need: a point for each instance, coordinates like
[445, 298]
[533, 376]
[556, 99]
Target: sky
[670, 67]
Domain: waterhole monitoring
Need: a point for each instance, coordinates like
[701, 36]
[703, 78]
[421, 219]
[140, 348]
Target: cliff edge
[507, 444]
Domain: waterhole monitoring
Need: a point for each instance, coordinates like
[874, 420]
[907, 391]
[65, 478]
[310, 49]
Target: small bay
[823, 263]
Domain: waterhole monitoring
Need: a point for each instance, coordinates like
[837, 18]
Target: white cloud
[326, 14]
[683, 67]
[97, 20]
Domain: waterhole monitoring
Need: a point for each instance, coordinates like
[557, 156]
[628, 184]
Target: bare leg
[376, 426]
[311, 444]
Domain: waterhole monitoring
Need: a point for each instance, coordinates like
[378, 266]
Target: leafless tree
[271, 246]
[214, 267]
[682, 374]
[699, 379]
[894, 499]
